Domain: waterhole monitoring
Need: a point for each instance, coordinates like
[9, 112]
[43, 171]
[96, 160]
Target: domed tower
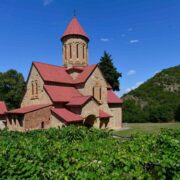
[75, 45]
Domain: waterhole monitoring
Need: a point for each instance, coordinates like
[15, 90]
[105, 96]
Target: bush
[89, 154]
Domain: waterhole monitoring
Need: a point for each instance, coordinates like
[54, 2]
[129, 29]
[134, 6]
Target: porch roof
[28, 109]
[67, 115]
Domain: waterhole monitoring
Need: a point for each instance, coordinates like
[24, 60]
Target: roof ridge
[48, 64]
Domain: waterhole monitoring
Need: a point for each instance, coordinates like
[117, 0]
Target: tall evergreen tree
[109, 71]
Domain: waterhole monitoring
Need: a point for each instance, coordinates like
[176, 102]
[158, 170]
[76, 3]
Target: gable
[42, 97]
[97, 81]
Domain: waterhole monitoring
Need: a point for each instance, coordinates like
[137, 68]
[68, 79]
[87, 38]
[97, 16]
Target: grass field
[131, 128]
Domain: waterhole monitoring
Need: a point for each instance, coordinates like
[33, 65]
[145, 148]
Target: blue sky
[143, 36]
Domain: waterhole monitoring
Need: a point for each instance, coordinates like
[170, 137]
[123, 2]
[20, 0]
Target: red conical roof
[74, 28]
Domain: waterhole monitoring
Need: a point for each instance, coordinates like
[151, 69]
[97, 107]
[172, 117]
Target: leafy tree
[132, 112]
[110, 72]
[161, 113]
[12, 87]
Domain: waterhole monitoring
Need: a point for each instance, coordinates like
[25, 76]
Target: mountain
[156, 100]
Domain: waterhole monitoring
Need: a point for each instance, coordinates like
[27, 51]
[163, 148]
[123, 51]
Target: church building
[75, 93]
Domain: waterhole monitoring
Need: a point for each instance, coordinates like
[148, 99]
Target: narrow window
[100, 95]
[32, 86]
[42, 125]
[65, 53]
[70, 51]
[83, 51]
[77, 50]
[93, 90]
[36, 88]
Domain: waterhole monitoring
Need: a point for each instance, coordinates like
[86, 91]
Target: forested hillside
[157, 100]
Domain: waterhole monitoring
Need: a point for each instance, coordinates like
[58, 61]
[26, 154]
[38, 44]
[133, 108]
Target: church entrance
[89, 121]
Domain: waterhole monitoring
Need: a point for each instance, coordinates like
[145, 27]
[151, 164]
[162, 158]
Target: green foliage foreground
[81, 153]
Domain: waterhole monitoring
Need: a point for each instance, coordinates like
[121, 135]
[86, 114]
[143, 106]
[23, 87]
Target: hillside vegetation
[157, 100]
[81, 153]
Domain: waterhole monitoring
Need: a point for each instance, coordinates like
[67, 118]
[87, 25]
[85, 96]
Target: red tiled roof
[78, 101]
[61, 93]
[79, 69]
[67, 115]
[113, 98]
[28, 109]
[74, 28]
[53, 73]
[3, 108]
[87, 71]
[59, 74]
[103, 114]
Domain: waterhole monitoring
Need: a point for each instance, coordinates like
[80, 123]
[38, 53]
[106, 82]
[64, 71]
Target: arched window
[77, 50]
[42, 125]
[100, 93]
[70, 51]
[36, 88]
[65, 51]
[93, 91]
[83, 51]
[32, 88]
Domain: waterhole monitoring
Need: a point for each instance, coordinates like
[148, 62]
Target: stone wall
[56, 122]
[115, 122]
[41, 97]
[39, 119]
[75, 51]
[91, 108]
[97, 80]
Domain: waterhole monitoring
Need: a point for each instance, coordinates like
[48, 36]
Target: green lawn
[145, 127]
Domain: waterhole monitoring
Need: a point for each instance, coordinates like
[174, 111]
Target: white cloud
[134, 41]
[131, 72]
[104, 39]
[130, 29]
[47, 2]
[133, 87]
